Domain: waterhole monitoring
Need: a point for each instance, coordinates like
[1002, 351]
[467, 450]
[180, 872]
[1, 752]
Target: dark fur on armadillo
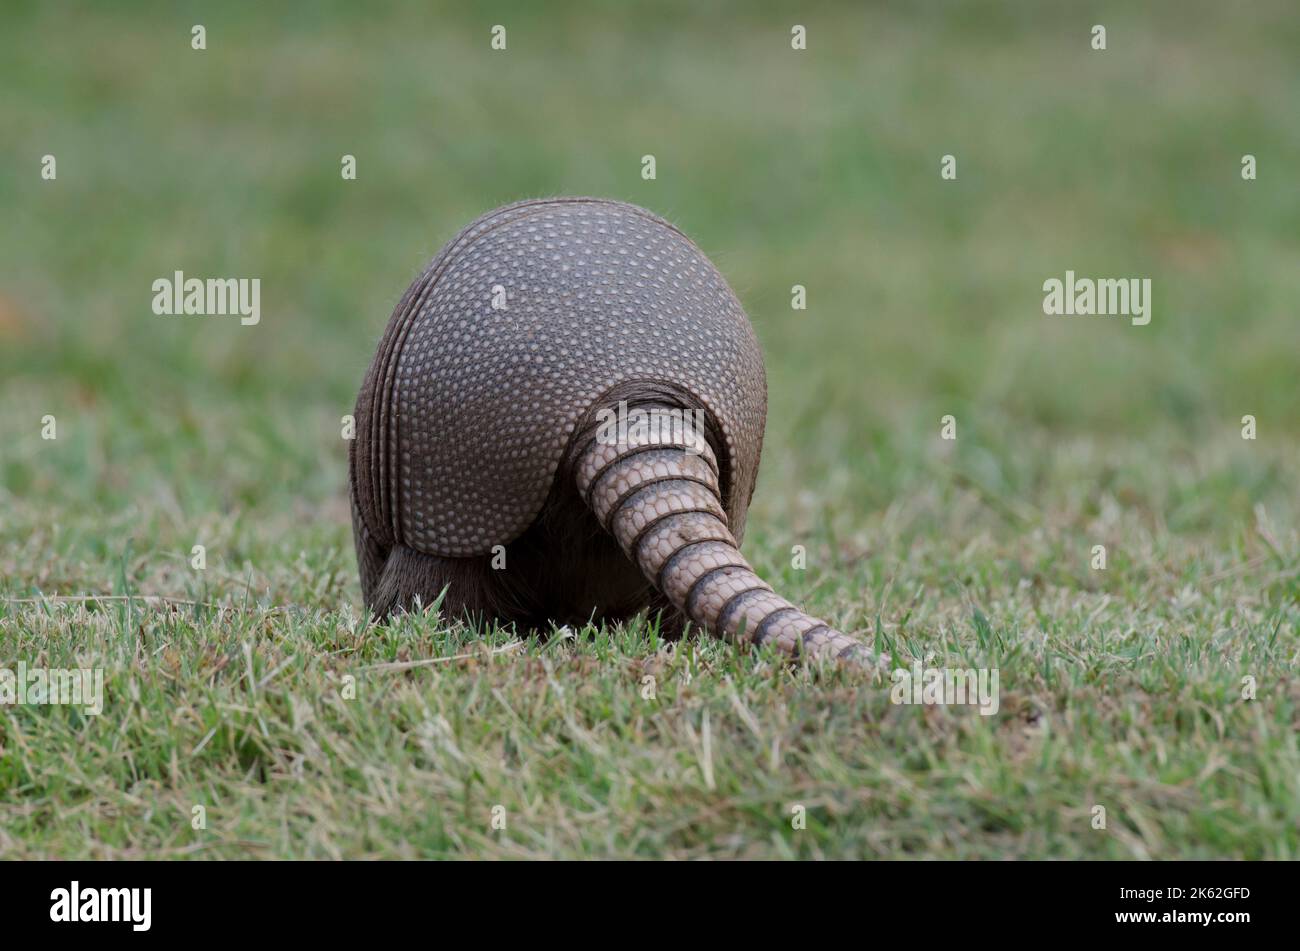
[476, 428]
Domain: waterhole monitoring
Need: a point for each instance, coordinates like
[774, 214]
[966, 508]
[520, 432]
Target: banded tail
[658, 495]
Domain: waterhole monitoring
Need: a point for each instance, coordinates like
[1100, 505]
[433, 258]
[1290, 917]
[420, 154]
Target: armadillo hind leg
[657, 493]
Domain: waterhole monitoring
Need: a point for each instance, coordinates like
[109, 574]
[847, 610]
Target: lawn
[251, 711]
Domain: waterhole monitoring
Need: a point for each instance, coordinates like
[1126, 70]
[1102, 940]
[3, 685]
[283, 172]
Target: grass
[1120, 688]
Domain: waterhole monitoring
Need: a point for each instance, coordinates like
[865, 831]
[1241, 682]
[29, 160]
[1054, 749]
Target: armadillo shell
[468, 409]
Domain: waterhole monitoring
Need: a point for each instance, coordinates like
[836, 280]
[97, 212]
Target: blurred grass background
[818, 168]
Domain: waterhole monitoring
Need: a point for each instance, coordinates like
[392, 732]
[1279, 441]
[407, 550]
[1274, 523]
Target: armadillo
[486, 470]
